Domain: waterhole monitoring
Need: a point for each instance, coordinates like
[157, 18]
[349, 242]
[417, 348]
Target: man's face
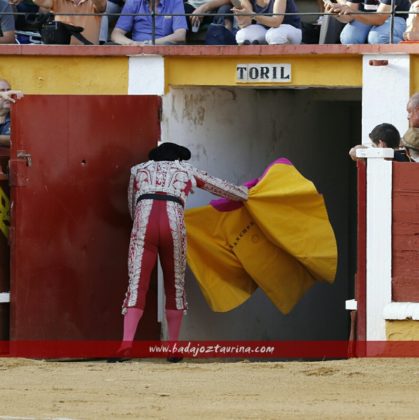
[413, 115]
[4, 105]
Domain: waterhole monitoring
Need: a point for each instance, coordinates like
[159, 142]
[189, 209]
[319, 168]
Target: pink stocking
[174, 322]
[131, 320]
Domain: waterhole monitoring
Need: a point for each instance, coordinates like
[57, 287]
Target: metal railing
[153, 14]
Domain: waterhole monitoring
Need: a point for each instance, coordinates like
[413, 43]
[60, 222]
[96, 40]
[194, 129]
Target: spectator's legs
[251, 33]
[355, 33]
[284, 34]
[381, 34]
[108, 21]
[227, 21]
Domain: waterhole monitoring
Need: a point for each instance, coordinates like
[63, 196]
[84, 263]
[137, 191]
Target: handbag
[55, 32]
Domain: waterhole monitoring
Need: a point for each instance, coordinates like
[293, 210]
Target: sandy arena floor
[343, 389]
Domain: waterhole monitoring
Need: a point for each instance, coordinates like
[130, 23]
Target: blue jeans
[359, 33]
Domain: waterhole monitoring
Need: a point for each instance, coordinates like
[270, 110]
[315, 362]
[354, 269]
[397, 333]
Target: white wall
[234, 133]
[389, 104]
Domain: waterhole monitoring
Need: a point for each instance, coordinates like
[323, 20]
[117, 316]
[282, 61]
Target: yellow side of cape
[280, 240]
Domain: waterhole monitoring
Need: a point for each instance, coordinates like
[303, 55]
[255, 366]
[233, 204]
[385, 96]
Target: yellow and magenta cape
[280, 240]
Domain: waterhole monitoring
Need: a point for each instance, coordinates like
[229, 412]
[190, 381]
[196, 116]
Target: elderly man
[367, 21]
[7, 24]
[413, 110]
[7, 96]
[410, 140]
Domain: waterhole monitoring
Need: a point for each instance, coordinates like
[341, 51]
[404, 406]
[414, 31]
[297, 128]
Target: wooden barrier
[405, 248]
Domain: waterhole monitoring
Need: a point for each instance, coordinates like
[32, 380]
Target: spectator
[413, 110]
[369, 25]
[7, 24]
[383, 135]
[168, 29]
[259, 29]
[411, 138]
[28, 18]
[79, 14]
[108, 22]
[7, 96]
[221, 7]
[412, 23]
[410, 141]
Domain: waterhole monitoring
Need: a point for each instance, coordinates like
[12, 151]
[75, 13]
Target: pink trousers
[158, 229]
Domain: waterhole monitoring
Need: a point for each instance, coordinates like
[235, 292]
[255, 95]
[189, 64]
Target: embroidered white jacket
[177, 178]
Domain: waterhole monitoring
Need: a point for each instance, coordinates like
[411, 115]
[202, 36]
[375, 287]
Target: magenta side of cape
[225, 204]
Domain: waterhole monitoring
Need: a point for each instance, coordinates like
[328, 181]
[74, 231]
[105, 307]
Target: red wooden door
[69, 172]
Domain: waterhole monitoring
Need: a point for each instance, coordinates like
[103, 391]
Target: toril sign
[263, 73]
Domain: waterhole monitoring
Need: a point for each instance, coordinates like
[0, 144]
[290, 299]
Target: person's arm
[375, 19]
[8, 37]
[244, 14]
[46, 4]
[273, 21]
[207, 7]
[352, 152]
[125, 24]
[270, 21]
[220, 187]
[179, 25]
[11, 95]
[118, 36]
[176, 37]
[7, 26]
[100, 5]
[336, 9]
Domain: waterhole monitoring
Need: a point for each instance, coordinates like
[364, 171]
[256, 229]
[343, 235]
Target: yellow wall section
[66, 75]
[306, 71]
[402, 330]
[109, 75]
